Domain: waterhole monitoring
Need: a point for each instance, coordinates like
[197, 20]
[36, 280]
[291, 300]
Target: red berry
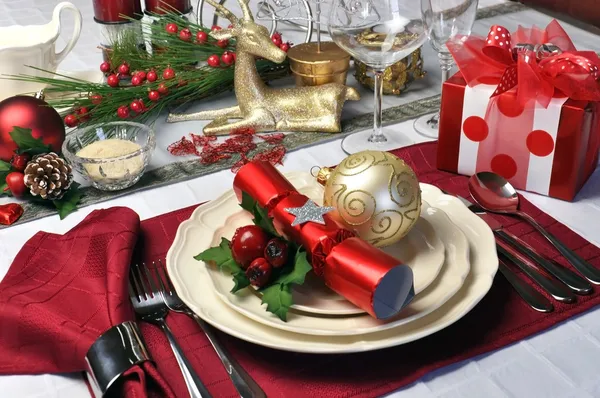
[19, 161]
[227, 58]
[276, 40]
[151, 76]
[215, 28]
[124, 69]
[171, 28]
[259, 272]
[137, 106]
[82, 111]
[96, 99]
[185, 34]
[112, 80]
[123, 112]
[248, 243]
[213, 60]
[276, 35]
[141, 74]
[163, 89]
[230, 26]
[222, 43]
[201, 37]
[285, 46]
[105, 67]
[136, 80]
[276, 252]
[168, 74]
[153, 95]
[71, 120]
[181, 83]
[16, 183]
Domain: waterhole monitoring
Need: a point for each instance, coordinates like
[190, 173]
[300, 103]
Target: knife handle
[577, 283]
[553, 287]
[535, 299]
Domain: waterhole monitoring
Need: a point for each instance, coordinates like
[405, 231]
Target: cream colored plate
[187, 275]
[422, 250]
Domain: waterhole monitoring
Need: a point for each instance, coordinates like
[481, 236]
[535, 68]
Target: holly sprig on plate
[265, 260]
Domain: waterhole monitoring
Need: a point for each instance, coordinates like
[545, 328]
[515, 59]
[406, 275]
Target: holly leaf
[26, 143]
[260, 216]
[298, 273]
[68, 203]
[241, 281]
[5, 166]
[3, 187]
[219, 254]
[278, 299]
[248, 203]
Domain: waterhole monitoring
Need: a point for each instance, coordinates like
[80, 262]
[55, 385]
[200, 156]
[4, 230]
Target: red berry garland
[105, 67]
[136, 80]
[213, 61]
[228, 58]
[163, 89]
[185, 34]
[168, 73]
[141, 74]
[285, 46]
[201, 37]
[124, 69]
[112, 80]
[123, 112]
[151, 76]
[276, 39]
[96, 99]
[171, 28]
[71, 120]
[137, 106]
[223, 43]
[215, 28]
[153, 95]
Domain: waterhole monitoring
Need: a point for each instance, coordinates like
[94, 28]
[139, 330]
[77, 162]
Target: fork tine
[132, 293]
[159, 278]
[149, 278]
[167, 278]
[140, 283]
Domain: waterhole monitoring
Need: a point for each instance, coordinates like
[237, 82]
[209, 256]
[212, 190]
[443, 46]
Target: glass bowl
[111, 156]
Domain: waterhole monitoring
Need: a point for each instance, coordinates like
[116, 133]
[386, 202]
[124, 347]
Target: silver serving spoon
[492, 192]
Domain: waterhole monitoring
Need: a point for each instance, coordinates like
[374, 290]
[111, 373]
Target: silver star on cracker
[309, 212]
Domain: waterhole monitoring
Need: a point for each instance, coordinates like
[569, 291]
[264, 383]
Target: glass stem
[446, 63]
[318, 4]
[377, 135]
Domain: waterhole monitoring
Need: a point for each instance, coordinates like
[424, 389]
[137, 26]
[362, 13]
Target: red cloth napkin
[63, 291]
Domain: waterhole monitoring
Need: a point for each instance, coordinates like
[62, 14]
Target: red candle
[157, 6]
[111, 11]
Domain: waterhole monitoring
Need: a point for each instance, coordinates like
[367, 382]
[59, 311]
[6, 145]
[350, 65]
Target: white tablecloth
[562, 362]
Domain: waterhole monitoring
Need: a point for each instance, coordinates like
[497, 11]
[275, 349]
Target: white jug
[22, 46]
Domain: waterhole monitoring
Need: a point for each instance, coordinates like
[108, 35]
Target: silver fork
[148, 302]
[243, 382]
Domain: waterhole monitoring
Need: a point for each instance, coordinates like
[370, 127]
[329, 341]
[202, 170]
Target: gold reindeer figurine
[263, 108]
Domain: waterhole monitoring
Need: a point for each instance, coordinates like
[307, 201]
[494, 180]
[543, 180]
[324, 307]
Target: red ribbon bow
[525, 60]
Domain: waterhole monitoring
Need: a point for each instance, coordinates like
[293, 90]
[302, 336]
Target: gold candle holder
[314, 65]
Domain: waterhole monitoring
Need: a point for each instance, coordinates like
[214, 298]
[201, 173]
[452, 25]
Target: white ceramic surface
[484, 264]
[34, 45]
[248, 303]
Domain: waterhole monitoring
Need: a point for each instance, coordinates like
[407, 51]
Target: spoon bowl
[493, 192]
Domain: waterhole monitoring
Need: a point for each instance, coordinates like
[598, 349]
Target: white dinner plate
[205, 303]
[422, 250]
[448, 282]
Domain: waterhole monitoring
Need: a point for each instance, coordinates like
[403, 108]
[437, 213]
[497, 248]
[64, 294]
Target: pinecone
[48, 176]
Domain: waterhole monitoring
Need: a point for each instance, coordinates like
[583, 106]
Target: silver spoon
[492, 192]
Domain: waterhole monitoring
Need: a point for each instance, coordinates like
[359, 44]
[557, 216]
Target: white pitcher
[22, 46]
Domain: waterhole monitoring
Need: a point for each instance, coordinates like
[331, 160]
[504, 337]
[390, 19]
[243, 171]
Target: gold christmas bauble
[375, 194]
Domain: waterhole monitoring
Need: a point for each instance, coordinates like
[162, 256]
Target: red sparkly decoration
[182, 147]
[10, 213]
[202, 140]
[272, 155]
[274, 139]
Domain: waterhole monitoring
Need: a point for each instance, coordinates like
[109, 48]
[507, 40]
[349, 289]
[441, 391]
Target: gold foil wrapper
[314, 68]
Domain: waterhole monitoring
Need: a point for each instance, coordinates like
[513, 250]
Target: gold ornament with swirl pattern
[375, 194]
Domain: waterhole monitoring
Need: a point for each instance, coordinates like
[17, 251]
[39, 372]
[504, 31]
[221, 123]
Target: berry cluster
[258, 253]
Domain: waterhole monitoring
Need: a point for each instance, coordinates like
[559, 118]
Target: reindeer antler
[246, 10]
[224, 12]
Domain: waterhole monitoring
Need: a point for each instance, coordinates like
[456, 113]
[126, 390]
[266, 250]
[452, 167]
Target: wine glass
[379, 33]
[445, 19]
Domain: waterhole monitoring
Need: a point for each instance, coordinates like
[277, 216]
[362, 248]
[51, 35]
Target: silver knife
[575, 282]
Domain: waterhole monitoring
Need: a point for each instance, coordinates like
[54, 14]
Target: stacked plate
[451, 251]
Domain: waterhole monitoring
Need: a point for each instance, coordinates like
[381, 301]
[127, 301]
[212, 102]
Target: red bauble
[222, 43]
[185, 34]
[96, 99]
[201, 37]
[112, 80]
[248, 243]
[19, 162]
[227, 58]
[276, 40]
[276, 252]
[124, 69]
[171, 28]
[16, 183]
[30, 113]
[162, 89]
[168, 74]
[151, 76]
[123, 112]
[215, 27]
[136, 80]
[259, 272]
[285, 47]
[105, 67]
[71, 120]
[153, 95]
[213, 61]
